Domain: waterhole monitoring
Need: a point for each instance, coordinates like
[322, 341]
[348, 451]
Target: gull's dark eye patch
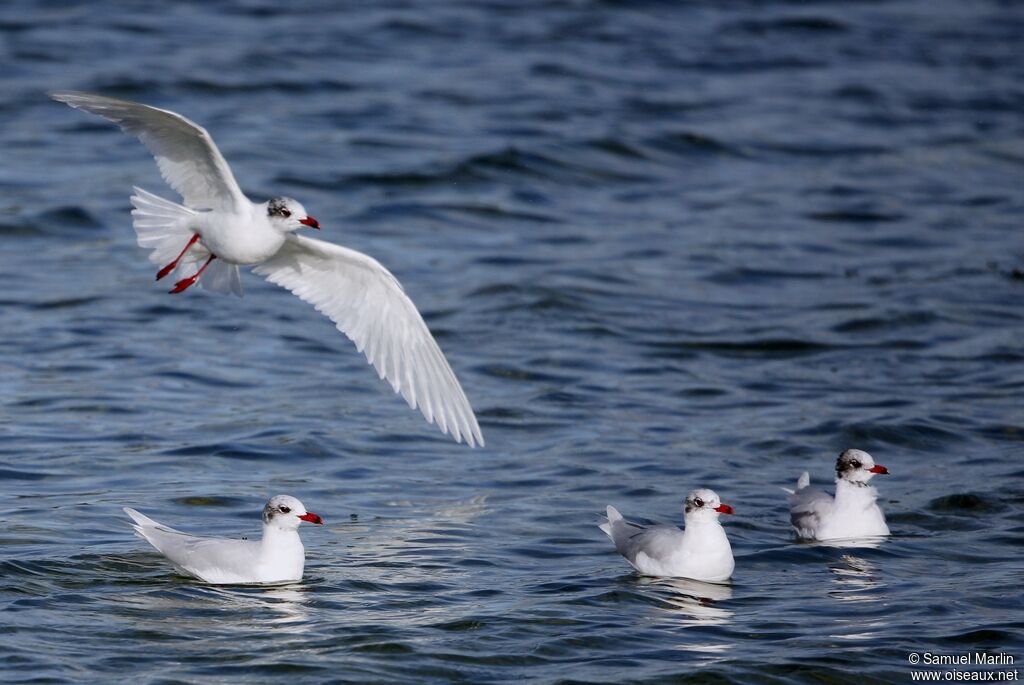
[283, 509]
[276, 207]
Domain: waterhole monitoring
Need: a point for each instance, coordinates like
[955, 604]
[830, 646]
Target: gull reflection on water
[867, 542]
[244, 611]
[692, 604]
[855, 580]
[693, 599]
[285, 607]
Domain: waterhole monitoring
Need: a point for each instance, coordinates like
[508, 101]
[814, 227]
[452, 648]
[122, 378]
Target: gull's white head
[286, 512]
[287, 215]
[857, 466]
[704, 505]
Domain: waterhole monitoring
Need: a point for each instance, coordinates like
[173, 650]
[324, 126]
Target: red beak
[311, 222]
[725, 509]
[878, 468]
[312, 518]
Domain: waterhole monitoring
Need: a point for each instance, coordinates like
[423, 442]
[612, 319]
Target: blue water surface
[663, 244]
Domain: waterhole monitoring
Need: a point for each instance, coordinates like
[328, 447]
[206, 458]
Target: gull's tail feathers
[165, 227]
[145, 526]
[613, 517]
[162, 226]
[802, 482]
[140, 518]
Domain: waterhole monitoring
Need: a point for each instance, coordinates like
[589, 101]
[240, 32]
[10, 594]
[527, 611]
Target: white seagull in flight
[219, 227]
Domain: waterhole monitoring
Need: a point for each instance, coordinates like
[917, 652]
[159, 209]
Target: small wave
[249, 85]
[791, 25]
[1002, 432]
[64, 219]
[13, 474]
[650, 105]
[490, 211]
[858, 93]
[821, 149]
[770, 347]
[918, 434]
[408, 27]
[901, 320]
[748, 276]
[616, 147]
[226, 451]
[212, 501]
[856, 216]
[206, 379]
[965, 502]
[691, 143]
[519, 374]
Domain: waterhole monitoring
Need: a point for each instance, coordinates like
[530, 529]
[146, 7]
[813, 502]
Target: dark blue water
[664, 245]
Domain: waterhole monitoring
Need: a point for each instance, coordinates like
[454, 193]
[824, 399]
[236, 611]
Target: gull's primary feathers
[188, 159]
[219, 227]
[278, 557]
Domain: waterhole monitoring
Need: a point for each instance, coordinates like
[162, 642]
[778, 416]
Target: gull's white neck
[855, 514]
[850, 493]
[704, 531]
[701, 518]
[278, 541]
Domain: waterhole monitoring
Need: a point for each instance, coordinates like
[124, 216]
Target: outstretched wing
[368, 305]
[188, 159]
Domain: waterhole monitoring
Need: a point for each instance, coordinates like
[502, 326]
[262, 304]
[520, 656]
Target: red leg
[170, 267]
[184, 283]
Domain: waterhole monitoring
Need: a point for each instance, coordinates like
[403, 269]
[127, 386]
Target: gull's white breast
[246, 238]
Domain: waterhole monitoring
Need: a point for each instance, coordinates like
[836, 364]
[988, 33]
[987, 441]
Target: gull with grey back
[852, 514]
[278, 557]
[701, 551]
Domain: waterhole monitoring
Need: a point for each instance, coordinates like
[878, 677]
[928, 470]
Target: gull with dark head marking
[276, 558]
[218, 229]
[700, 551]
[852, 513]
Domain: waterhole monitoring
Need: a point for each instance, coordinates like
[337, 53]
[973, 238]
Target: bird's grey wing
[368, 305]
[201, 556]
[188, 158]
[657, 543]
[208, 557]
[808, 506]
